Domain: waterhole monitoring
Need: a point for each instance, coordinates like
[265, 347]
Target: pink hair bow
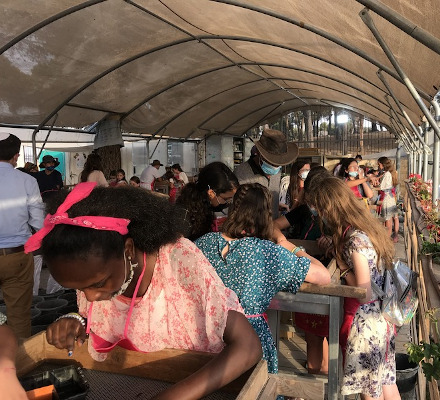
[79, 192]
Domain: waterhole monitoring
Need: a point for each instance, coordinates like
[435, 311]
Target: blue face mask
[269, 169]
[50, 168]
[354, 174]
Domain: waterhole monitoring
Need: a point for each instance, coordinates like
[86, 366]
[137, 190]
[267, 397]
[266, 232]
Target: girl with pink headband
[141, 285]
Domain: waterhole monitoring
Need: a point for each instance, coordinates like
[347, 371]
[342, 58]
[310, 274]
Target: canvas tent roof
[188, 68]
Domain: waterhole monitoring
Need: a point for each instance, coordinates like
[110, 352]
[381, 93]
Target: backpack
[399, 294]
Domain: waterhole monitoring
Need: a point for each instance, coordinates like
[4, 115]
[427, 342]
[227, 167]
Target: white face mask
[130, 278]
[303, 175]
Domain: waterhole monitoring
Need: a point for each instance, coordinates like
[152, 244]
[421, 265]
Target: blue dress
[256, 270]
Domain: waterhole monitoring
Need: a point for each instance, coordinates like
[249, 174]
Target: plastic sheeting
[194, 67]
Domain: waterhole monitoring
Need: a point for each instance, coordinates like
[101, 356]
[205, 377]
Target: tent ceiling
[188, 68]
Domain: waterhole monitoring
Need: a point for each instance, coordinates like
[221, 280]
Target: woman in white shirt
[92, 171]
[179, 174]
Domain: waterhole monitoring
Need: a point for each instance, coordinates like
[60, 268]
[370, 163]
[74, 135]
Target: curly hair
[153, 223]
[335, 203]
[250, 214]
[388, 165]
[93, 163]
[293, 189]
[194, 200]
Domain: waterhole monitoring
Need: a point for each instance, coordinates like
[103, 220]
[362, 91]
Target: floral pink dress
[185, 307]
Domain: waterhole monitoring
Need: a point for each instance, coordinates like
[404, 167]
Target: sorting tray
[70, 382]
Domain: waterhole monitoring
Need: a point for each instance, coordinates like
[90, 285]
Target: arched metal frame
[201, 39]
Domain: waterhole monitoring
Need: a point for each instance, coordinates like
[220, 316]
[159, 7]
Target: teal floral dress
[256, 270]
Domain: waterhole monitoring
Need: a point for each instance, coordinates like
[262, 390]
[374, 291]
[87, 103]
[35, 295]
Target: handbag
[399, 294]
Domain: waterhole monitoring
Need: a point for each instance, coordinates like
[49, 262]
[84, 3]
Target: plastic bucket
[36, 300]
[46, 296]
[70, 297]
[51, 305]
[35, 313]
[406, 376]
[45, 319]
[71, 307]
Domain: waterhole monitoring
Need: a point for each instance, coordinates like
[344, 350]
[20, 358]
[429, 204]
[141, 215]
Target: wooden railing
[428, 288]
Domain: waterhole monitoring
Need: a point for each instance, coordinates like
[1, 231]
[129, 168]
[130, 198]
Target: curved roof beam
[139, 55]
[48, 21]
[407, 26]
[325, 35]
[255, 95]
[276, 104]
[284, 47]
[173, 118]
[106, 72]
[151, 96]
[349, 107]
[325, 101]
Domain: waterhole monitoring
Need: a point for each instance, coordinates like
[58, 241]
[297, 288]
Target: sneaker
[395, 237]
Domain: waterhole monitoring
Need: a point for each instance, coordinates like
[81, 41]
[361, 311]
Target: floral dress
[185, 307]
[370, 350]
[388, 208]
[256, 270]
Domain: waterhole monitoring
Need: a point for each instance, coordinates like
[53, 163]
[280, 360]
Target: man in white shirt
[21, 207]
[150, 174]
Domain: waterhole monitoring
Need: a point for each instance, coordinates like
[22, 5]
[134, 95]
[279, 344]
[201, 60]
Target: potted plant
[427, 354]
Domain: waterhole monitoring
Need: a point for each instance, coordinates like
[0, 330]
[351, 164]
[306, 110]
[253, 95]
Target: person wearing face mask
[355, 178]
[272, 152]
[49, 179]
[298, 174]
[205, 203]
[141, 285]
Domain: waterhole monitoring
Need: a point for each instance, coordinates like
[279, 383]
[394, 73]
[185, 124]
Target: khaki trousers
[16, 281]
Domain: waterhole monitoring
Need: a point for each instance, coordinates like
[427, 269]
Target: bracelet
[342, 275]
[74, 316]
[296, 249]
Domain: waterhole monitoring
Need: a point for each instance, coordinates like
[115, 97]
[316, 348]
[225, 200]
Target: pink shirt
[185, 307]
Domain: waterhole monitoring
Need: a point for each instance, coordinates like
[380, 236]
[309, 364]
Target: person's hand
[325, 244]
[65, 332]
[283, 207]
[361, 173]
[10, 387]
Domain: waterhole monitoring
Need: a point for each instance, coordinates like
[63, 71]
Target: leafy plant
[427, 354]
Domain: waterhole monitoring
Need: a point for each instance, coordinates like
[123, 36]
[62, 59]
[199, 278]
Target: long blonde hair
[337, 205]
[388, 165]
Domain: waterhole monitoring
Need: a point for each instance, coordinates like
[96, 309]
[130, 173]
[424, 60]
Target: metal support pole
[401, 137]
[405, 131]
[408, 144]
[34, 146]
[399, 122]
[370, 24]
[424, 173]
[403, 24]
[403, 112]
[436, 159]
[420, 159]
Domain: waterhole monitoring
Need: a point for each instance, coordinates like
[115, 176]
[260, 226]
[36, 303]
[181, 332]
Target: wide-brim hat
[274, 148]
[48, 158]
